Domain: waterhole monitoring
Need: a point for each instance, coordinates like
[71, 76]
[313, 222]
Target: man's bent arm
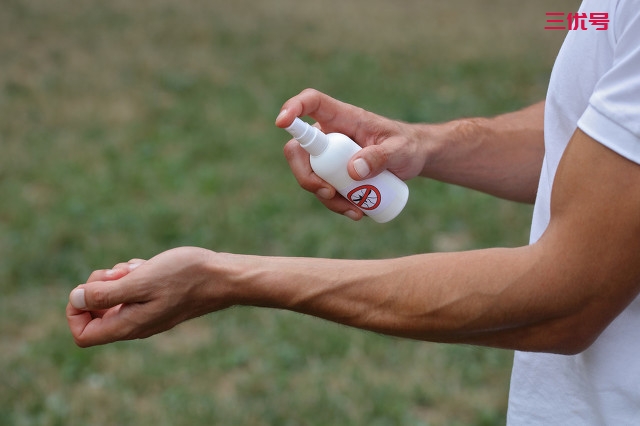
[501, 156]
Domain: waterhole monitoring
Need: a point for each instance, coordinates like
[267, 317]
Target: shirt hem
[610, 134]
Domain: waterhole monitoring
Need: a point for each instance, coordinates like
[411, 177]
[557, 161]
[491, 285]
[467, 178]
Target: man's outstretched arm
[556, 295]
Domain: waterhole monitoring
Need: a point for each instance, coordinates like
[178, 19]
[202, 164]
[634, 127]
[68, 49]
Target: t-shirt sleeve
[613, 115]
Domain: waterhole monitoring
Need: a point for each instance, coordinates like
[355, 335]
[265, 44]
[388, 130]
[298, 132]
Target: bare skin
[556, 295]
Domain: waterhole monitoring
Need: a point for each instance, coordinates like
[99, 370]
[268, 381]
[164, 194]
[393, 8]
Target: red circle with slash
[365, 197]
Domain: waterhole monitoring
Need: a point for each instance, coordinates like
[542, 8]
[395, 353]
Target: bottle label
[365, 197]
[368, 197]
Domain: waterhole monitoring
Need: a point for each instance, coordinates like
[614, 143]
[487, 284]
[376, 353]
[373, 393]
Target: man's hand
[501, 156]
[141, 298]
[387, 145]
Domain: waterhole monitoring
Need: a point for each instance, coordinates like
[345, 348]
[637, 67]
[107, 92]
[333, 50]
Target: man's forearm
[481, 297]
[501, 156]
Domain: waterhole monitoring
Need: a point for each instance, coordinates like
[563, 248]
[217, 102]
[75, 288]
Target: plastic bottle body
[382, 197]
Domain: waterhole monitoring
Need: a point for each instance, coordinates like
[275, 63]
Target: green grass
[127, 128]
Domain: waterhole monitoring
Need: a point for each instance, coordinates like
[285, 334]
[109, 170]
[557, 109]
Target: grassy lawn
[130, 127]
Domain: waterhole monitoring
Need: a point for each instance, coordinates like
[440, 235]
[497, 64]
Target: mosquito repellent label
[368, 197]
[365, 197]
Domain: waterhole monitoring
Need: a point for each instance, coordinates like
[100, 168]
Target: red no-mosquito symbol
[366, 197]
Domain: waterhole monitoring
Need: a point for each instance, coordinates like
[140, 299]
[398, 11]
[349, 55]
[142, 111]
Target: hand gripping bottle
[382, 197]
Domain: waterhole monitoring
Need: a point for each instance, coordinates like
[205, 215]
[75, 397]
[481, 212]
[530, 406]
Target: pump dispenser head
[310, 138]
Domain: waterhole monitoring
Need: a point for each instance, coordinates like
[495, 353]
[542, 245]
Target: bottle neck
[316, 143]
[310, 138]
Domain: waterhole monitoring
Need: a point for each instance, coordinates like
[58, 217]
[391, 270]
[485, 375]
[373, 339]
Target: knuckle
[376, 157]
[130, 331]
[94, 275]
[81, 343]
[100, 298]
[120, 265]
[309, 91]
[289, 150]
[310, 185]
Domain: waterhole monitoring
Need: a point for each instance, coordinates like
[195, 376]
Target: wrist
[236, 279]
[444, 144]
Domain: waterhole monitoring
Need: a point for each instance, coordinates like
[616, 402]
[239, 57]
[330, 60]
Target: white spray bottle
[382, 197]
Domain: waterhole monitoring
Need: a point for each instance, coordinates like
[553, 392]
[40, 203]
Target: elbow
[574, 345]
[569, 336]
[568, 345]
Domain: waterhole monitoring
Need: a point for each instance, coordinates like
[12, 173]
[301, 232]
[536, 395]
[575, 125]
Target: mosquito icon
[366, 197]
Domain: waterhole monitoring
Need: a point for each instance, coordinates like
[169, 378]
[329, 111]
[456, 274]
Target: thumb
[101, 295]
[368, 162]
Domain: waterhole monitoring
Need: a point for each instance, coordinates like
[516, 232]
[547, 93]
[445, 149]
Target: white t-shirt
[595, 85]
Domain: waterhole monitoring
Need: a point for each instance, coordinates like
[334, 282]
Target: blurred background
[131, 127]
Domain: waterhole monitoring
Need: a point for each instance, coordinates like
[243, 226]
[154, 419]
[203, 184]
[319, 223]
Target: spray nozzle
[310, 138]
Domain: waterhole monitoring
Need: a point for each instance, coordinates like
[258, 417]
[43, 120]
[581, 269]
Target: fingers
[78, 297]
[93, 311]
[123, 268]
[77, 320]
[103, 289]
[115, 273]
[332, 114]
[97, 295]
[107, 274]
[396, 154]
[308, 102]
[298, 160]
[90, 331]
[368, 162]
[340, 205]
